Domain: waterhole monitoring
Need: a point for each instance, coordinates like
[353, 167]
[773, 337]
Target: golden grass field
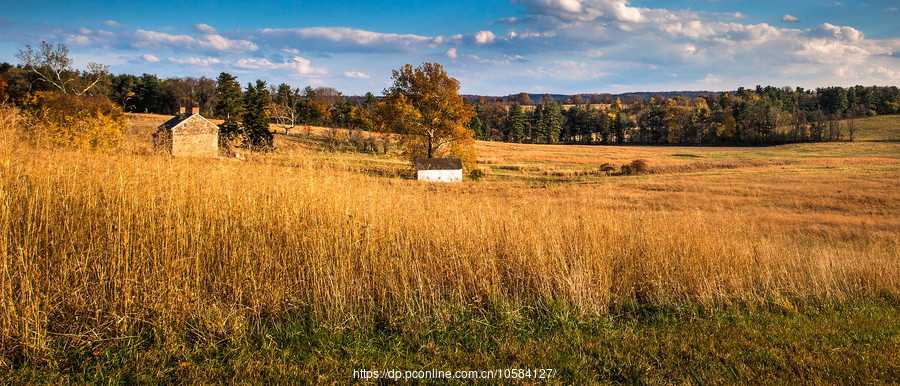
[104, 246]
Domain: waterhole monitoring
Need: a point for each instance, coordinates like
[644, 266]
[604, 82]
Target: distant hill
[603, 97]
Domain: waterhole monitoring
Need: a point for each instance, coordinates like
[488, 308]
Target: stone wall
[195, 137]
[195, 145]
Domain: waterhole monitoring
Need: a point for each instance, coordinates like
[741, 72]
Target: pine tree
[538, 125]
[228, 107]
[553, 121]
[516, 123]
[257, 115]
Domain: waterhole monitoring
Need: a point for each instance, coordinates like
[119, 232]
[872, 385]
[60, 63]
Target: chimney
[181, 110]
[195, 110]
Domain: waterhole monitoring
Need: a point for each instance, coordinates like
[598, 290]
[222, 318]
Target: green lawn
[831, 345]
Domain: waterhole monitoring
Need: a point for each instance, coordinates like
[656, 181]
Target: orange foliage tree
[425, 106]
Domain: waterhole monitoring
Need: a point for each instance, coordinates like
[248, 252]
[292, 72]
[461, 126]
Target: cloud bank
[573, 45]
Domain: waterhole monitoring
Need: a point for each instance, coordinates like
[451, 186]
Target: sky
[493, 47]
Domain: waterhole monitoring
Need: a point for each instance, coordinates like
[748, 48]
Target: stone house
[188, 134]
[439, 169]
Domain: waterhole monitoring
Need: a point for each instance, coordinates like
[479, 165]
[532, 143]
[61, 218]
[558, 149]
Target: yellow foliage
[424, 104]
[81, 122]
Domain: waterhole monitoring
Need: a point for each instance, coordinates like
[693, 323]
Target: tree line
[148, 93]
[424, 104]
[764, 115]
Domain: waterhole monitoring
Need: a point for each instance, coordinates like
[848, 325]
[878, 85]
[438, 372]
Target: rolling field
[767, 264]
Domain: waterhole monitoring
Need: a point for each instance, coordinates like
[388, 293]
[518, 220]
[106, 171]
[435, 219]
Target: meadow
[771, 263]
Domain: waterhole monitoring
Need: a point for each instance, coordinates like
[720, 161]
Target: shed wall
[440, 175]
[195, 145]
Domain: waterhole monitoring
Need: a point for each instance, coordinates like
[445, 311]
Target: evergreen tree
[257, 115]
[553, 121]
[516, 123]
[148, 94]
[476, 124]
[228, 107]
[538, 125]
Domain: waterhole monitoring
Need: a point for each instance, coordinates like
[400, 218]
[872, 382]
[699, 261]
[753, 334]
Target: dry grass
[101, 247]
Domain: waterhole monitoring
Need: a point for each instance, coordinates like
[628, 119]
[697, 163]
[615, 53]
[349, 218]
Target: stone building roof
[438, 164]
[182, 118]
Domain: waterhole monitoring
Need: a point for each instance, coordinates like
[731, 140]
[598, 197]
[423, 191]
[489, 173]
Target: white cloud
[150, 58]
[356, 75]
[205, 29]
[789, 19]
[340, 39]
[572, 12]
[201, 62]
[829, 31]
[695, 44]
[485, 37]
[296, 65]
[112, 23]
[78, 40]
[207, 43]
[451, 53]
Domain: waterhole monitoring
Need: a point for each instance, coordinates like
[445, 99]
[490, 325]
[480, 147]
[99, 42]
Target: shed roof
[438, 164]
[175, 121]
[181, 118]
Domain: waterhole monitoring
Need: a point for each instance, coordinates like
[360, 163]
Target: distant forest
[760, 116]
[743, 117]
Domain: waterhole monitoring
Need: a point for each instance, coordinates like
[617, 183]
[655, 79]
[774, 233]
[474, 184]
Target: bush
[637, 166]
[81, 122]
[640, 166]
[607, 168]
[476, 174]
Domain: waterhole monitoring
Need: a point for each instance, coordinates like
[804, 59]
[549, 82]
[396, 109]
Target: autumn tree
[523, 98]
[424, 104]
[73, 121]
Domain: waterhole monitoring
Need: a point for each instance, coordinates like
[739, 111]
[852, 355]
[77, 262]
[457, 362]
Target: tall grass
[98, 247]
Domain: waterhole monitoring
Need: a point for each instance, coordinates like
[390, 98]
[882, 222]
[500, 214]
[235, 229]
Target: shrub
[607, 168]
[81, 122]
[640, 166]
[637, 166]
[476, 174]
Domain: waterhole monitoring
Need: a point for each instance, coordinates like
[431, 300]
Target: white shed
[439, 169]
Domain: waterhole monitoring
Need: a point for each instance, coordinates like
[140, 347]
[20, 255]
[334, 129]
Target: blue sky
[492, 47]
